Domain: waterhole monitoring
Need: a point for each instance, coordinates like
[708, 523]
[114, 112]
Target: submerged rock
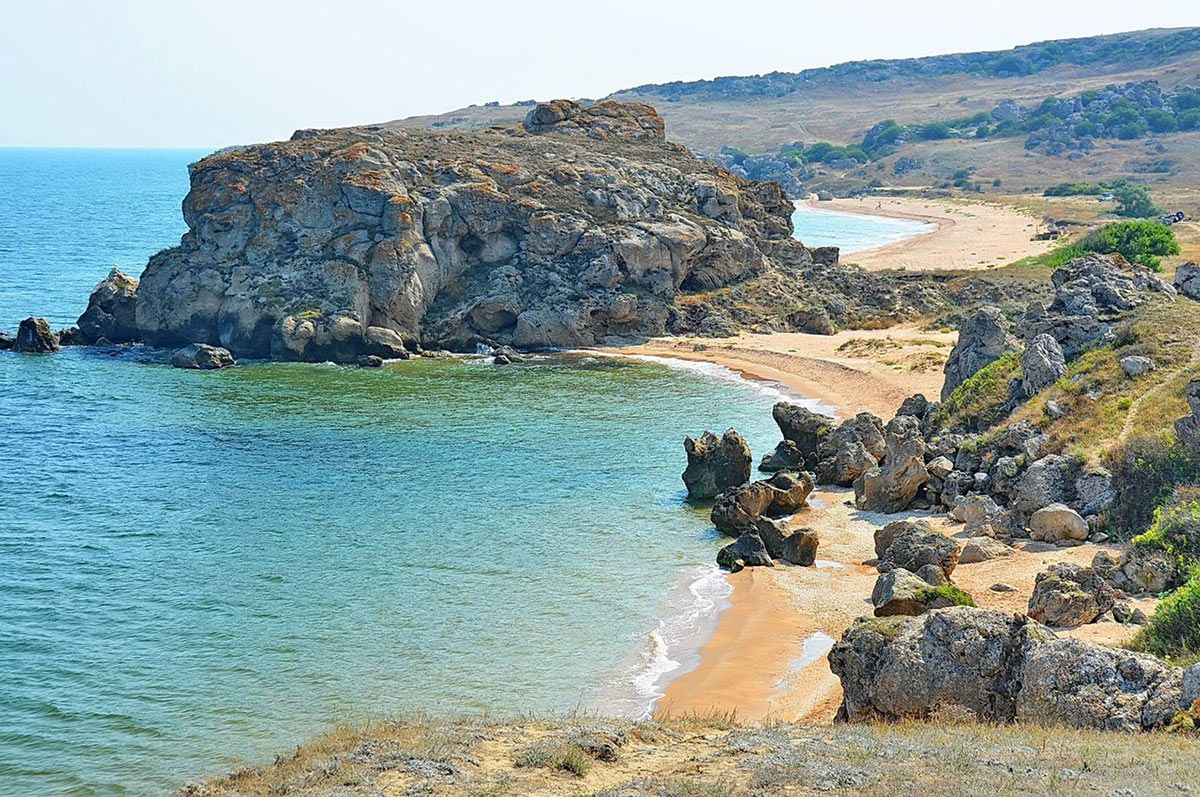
[34, 337]
[200, 356]
[716, 463]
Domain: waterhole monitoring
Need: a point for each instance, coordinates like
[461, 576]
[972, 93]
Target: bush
[1176, 530]
[982, 401]
[1137, 241]
[1174, 628]
[1146, 470]
[948, 591]
[1133, 200]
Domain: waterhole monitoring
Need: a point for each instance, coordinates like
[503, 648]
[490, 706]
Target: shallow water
[852, 232]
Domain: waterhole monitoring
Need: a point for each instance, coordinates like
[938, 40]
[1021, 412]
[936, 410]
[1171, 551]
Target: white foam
[770, 389]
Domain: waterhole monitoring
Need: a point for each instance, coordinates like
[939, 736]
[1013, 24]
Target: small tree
[1137, 241]
[1133, 200]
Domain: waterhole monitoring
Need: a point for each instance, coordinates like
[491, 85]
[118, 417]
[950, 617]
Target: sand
[970, 234]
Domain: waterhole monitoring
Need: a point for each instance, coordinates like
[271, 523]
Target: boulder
[715, 463]
[914, 549]
[983, 549]
[202, 357]
[981, 515]
[913, 667]
[111, 310]
[932, 575]
[602, 120]
[1049, 480]
[1057, 523]
[747, 550]
[940, 467]
[1187, 428]
[1083, 685]
[1138, 571]
[1135, 366]
[386, 343]
[1068, 596]
[369, 361]
[736, 509]
[804, 428]
[34, 336]
[983, 338]
[885, 536]
[892, 486]
[785, 456]
[7, 342]
[999, 668]
[1187, 280]
[1042, 364]
[1094, 491]
[902, 592]
[799, 547]
[847, 452]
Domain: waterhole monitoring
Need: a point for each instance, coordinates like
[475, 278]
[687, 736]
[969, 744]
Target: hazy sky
[217, 72]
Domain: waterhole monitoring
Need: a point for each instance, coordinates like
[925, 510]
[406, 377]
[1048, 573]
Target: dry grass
[710, 756]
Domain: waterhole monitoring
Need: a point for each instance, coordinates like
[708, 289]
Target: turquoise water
[201, 569]
[851, 231]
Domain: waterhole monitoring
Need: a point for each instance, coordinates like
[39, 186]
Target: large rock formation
[715, 463]
[983, 338]
[34, 337]
[892, 486]
[737, 509]
[308, 249]
[111, 312]
[999, 668]
[803, 429]
[850, 450]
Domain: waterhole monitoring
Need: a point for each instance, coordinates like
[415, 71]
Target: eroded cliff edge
[583, 226]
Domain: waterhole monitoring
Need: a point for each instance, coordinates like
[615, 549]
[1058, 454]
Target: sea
[201, 570]
[852, 232]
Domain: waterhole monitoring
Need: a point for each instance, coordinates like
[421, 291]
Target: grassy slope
[712, 757]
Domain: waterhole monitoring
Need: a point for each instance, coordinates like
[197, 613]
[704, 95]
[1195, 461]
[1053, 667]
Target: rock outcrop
[983, 338]
[804, 429]
[34, 337]
[1042, 364]
[584, 228]
[892, 486]
[917, 547]
[602, 120]
[999, 668]
[850, 450]
[111, 312]
[1091, 294]
[1187, 280]
[716, 463]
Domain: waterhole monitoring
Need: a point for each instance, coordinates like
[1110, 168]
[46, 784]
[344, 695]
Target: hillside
[840, 104]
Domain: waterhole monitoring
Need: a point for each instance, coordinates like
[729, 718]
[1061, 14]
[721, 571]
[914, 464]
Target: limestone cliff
[341, 241]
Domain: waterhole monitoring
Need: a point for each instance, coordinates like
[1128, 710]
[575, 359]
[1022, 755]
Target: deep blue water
[201, 569]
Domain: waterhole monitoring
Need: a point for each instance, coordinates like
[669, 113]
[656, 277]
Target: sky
[211, 73]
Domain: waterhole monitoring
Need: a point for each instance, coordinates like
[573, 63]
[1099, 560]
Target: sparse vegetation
[1174, 628]
[1146, 471]
[1176, 530]
[949, 592]
[982, 401]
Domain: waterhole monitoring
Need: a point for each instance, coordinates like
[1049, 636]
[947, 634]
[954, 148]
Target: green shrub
[1176, 530]
[1133, 200]
[982, 401]
[1145, 471]
[1137, 241]
[1174, 628]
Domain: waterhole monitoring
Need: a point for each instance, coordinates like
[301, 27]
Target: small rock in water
[369, 361]
[34, 337]
[202, 357]
[6, 341]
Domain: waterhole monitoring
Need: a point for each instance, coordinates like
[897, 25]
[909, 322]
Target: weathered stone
[736, 509]
[1042, 364]
[885, 536]
[1187, 280]
[983, 338]
[998, 668]
[200, 356]
[1068, 596]
[1000, 586]
[853, 448]
[602, 120]
[1057, 522]
[785, 456]
[34, 337]
[715, 463]
[7, 342]
[1138, 571]
[111, 310]
[892, 486]
[902, 592]
[747, 550]
[386, 343]
[983, 549]
[803, 427]
[1049, 480]
[915, 549]
[799, 547]
[369, 361]
[1135, 366]
[932, 575]
[1054, 410]
[980, 514]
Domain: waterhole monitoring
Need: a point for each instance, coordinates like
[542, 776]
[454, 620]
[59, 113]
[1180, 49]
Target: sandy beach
[970, 235]
[766, 658]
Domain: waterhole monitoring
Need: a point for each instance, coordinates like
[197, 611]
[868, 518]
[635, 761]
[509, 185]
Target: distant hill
[765, 126]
